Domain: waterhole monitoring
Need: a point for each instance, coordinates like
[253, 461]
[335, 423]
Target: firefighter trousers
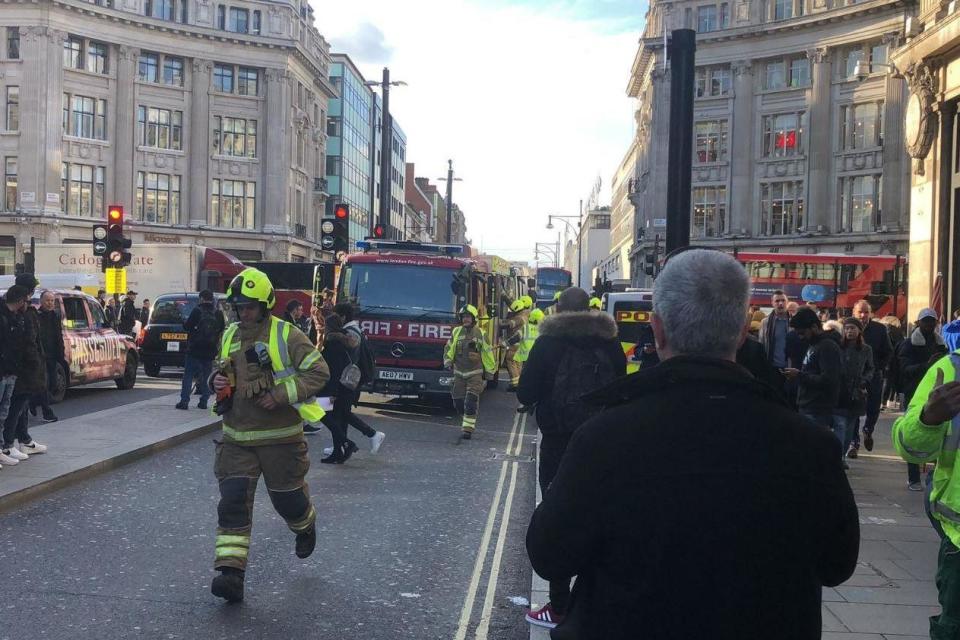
[238, 469]
[466, 396]
[513, 367]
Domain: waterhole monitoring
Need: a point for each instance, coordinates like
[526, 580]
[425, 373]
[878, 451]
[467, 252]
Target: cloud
[365, 44]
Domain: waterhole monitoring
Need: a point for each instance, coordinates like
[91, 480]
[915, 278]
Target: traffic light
[335, 231]
[650, 258]
[115, 245]
[378, 231]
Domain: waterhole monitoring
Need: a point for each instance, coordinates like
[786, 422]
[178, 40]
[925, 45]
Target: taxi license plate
[173, 336]
[395, 375]
[173, 346]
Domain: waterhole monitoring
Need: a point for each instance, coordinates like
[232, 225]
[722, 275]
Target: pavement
[892, 592]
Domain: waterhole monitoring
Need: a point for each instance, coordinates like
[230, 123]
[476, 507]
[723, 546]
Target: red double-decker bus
[831, 281]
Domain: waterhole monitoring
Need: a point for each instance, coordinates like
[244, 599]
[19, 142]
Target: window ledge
[803, 87]
[799, 156]
[5, 132]
[162, 85]
[20, 60]
[218, 156]
[92, 74]
[94, 141]
[722, 96]
[214, 92]
[172, 152]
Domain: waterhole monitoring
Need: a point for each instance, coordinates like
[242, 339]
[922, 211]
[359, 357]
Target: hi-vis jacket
[298, 373]
[468, 362]
[918, 442]
[530, 333]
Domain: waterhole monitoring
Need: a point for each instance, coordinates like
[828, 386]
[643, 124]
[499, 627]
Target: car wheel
[129, 374]
[151, 369]
[59, 387]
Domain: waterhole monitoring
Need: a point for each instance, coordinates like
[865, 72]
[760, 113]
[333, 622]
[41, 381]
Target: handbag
[350, 378]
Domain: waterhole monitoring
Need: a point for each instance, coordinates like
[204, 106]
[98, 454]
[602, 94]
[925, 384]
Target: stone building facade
[793, 151]
[206, 121]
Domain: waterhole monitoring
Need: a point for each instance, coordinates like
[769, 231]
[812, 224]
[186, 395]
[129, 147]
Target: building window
[776, 77]
[160, 128]
[13, 43]
[783, 135]
[724, 15]
[161, 9]
[223, 78]
[173, 71]
[86, 118]
[786, 9]
[233, 204]
[789, 72]
[158, 198]
[255, 25]
[860, 204]
[82, 189]
[333, 168]
[235, 137]
[861, 126]
[149, 65]
[873, 55]
[73, 53]
[239, 19]
[221, 17]
[713, 81]
[10, 184]
[706, 18]
[97, 55]
[334, 126]
[709, 216]
[13, 108]
[781, 205]
[247, 80]
[711, 141]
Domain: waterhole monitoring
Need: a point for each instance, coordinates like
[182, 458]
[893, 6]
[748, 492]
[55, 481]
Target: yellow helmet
[527, 302]
[251, 285]
[469, 310]
[595, 303]
[556, 296]
[517, 305]
[536, 316]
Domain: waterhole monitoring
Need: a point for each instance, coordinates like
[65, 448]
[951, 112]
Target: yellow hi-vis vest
[283, 370]
[530, 333]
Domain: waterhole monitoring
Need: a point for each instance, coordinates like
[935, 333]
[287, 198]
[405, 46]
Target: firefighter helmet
[251, 285]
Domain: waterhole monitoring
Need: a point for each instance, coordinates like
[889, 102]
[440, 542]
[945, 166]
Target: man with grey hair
[697, 504]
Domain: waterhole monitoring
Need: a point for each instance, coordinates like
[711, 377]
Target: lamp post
[576, 232]
[450, 180]
[548, 248]
[386, 145]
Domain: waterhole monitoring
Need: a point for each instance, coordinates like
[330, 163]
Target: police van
[631, 311]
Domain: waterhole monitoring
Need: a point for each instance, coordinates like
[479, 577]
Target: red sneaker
[544, 617]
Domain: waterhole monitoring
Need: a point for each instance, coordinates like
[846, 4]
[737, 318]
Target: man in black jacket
[819, 374]
[11, 338]
[204, 326]
[128, 314]
[877, 336]
[574, 326]
[697, 505]
[31, 380]
[51, 339]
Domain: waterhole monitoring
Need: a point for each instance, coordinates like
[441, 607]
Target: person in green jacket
[470, 357]
[930, 431]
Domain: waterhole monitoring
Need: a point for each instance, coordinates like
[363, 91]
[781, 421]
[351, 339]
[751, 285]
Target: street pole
[580, 246]
[449, 201]
[683, 48]
[386, 144]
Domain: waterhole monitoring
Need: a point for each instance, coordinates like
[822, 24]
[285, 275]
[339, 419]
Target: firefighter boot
[228, 585]
[306, 541]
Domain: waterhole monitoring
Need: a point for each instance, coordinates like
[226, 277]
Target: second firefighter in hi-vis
[470, 357]
[276, 373]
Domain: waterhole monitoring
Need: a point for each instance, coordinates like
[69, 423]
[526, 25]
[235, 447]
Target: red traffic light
[378, 231]
[341, 211]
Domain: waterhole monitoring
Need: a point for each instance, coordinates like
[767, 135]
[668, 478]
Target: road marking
[523, 426]
[484, 626]
[468, 603]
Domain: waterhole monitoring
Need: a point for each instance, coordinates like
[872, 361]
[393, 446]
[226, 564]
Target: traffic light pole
[683, 48]
[449, 201]
[386, 144]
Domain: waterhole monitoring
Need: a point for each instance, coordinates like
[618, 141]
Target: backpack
[206, 335]
[365, 361]
[581, 371]
[351, 376]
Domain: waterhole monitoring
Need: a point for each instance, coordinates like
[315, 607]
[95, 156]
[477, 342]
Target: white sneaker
[16, 454]
[327, 451]
[33, 448]
[376, 440]
[6, 458]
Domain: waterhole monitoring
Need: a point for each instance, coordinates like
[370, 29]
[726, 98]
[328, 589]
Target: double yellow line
[483, 626]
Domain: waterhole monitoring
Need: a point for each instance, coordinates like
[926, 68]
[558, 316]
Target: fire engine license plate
[173, 346]
[395, 375]
[173, 336]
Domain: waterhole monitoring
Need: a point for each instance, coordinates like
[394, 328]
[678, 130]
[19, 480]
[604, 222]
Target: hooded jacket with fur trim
[559, 332]
[916, 355]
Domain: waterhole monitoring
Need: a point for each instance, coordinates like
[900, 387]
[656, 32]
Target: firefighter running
[274, 372]
[470, 357]
[514, 328]
[530, 332]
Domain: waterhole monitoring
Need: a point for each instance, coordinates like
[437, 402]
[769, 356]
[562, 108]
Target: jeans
[336, 421]
[15, 426]
[195, 368]
[843, 427]
[7, 383]
[822, 419]
[359, 423]
[874, 400]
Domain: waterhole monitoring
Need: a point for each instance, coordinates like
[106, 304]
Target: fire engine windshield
[405, 290]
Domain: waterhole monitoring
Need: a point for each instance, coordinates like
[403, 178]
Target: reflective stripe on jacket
[456, 354]
[917, 442]
[530, 333]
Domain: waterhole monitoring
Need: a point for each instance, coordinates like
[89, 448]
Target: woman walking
[856, 372]
[336, 352]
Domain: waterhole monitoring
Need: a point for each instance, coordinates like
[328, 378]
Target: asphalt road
[104, 395]
[408, 542]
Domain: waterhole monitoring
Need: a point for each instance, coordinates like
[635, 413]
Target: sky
[528, 97]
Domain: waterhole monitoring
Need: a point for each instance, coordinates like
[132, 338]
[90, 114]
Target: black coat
[917, 354]
[752, 356]
[819, 382]
[877, 336]
[195, 346]
[51, 335]
[32, 377]
[856, 372]
[559, 332]
[128, 316]
[336, 352]
[11, 341]
[697, 505]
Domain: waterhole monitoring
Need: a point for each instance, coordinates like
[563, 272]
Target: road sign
[116, 280]
[327, 242]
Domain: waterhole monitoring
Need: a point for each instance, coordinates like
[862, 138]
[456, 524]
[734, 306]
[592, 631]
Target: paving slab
[81, 447]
